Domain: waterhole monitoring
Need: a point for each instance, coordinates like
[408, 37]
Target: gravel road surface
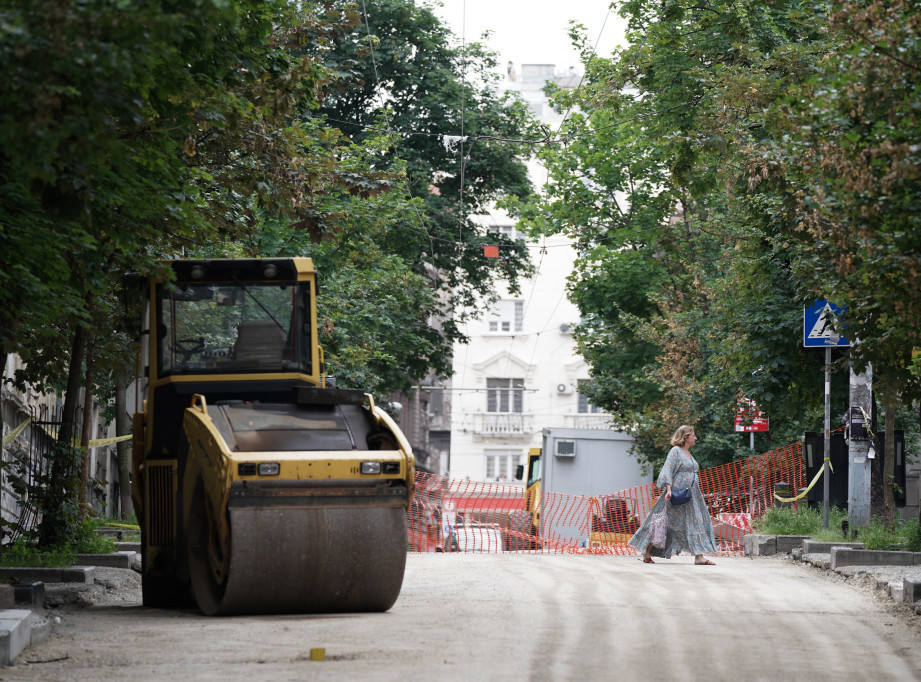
[511, 617]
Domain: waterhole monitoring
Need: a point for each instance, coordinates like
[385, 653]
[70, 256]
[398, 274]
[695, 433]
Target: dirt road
[515, 617]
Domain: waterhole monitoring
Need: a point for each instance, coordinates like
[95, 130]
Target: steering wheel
[188, 347]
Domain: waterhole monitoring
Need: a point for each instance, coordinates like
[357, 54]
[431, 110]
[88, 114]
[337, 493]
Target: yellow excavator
[259, 486]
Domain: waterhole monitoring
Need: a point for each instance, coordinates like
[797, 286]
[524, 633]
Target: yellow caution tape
[95, 443]
[806, 491]
[121, 525]
[866, 423]
[99, 442]
[10, 436]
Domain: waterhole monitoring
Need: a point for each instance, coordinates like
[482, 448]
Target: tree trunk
[86, 490]
[877, 503]
[72, 393]
[123, 448]
[53, 532]
[890, 399]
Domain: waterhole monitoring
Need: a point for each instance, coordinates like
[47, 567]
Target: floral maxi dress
[689, 526]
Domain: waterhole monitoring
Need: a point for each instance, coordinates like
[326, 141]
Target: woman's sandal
[705, 562]
[646, 560]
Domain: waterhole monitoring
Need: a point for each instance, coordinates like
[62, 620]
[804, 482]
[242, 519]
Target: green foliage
[807, 521]
[83, 540]
[728, 166]
[901, 536]
[800, 521]
[86, 540]
[54, 495]
[432, 88]
[911, 531]
[22, 553]
[117, 521]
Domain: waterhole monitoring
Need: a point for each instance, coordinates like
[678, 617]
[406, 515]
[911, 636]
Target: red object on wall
[491, 251]
[757, 421]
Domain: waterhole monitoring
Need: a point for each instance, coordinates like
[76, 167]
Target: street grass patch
[25, 552]
[904, 535]
[21, 554]
[87, 541]
[800, 521]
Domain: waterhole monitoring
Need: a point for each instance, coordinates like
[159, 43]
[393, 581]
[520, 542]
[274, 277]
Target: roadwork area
[512, 617]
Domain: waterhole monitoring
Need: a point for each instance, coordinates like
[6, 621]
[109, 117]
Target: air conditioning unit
[564, 389]
[565, 448]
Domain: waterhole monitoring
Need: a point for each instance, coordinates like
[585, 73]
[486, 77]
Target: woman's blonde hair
[681, 435]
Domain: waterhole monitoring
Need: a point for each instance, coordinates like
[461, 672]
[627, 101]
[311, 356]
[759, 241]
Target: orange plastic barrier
[453, 515]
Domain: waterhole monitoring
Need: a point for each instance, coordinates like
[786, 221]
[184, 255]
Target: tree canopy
[147, 130]
[132, 132]
[727, 167]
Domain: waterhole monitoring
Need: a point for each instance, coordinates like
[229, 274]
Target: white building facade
[29, 423]
[520, 372]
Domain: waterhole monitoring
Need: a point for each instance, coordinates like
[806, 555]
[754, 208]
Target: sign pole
[826, 462]
[820, 330]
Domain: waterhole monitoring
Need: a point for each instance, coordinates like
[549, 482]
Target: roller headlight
[269, 468]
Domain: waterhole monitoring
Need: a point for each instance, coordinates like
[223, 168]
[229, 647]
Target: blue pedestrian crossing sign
[819, 322]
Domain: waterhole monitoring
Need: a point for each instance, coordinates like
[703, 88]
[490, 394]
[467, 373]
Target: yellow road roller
[260, 487]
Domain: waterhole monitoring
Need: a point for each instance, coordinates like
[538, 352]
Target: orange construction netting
[453, 515]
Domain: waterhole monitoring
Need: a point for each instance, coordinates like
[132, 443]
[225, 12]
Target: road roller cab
[260, 488]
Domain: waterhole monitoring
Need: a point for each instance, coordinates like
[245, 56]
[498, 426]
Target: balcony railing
[503, 424]
[588, 421]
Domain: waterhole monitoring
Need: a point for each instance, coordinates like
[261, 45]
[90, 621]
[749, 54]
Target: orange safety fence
[454, 515]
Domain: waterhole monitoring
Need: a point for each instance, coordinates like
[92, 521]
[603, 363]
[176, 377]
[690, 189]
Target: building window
[507, 230]
[505, 395]
[506, 317]
[586, 407]
[501, 464]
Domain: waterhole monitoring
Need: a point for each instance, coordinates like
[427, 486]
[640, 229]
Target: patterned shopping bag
[658, 529]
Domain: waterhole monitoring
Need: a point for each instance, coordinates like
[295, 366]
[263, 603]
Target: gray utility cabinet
[589, 462]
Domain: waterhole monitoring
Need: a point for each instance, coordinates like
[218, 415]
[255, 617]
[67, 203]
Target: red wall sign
[750, 420]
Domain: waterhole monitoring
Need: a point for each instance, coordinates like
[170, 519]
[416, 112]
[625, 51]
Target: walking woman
[689, 527]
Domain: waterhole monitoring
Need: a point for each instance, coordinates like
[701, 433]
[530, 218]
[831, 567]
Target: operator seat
[259, 342]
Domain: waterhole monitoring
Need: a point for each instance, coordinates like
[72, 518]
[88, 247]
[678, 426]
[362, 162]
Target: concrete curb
[815, 547]
[128, 547]
[766, 545]
[844, 556]
[78, 574]
[911, 590]
[32, 594]
[115, 560]
[15, 633]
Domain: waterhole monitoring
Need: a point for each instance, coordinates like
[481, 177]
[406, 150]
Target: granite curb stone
[114, 560]
[816, 547]
[7, 596]
[760, 545]
[843, 556]
[15, 633]
[911, 590]
[77, 574]
[32, 594]
[786, 543]
[128, 547]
